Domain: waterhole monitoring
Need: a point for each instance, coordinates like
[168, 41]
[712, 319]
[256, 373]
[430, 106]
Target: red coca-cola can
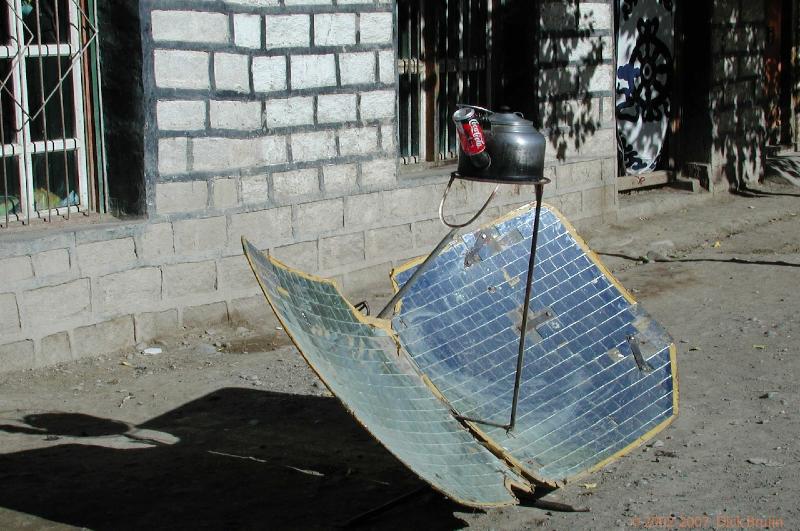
[471, 137]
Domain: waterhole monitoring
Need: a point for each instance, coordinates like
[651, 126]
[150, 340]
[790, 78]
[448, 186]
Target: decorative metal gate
[45, 96]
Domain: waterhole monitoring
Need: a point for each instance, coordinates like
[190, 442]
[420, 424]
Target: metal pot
[515, 149]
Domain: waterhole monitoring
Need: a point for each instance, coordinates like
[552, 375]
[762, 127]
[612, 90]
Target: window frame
[19, 51]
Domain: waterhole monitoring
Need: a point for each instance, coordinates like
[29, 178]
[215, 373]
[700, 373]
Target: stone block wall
[262, 104]
[737, 99]
[275, 120]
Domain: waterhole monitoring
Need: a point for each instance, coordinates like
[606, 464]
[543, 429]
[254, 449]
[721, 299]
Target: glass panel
[5, 20]
[409, 91]
[7, 103]
[415, 115]
[455, 47]
[63, 91]
[404, 92]
[61, 169]
[53, 21]
[9, 188]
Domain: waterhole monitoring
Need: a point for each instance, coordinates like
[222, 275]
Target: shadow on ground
[743, 261]
[245, 459]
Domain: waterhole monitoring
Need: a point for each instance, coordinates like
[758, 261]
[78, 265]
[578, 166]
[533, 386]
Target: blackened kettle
[514, 147]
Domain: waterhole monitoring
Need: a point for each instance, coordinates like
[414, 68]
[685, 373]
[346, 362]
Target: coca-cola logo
[475, 130]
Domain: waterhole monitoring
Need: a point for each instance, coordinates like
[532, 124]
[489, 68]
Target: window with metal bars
[49, 145]
[443, 59]
[478, 52]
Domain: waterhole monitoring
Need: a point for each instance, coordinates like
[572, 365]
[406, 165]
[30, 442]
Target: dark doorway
[777, 71]
[692, 121]
[123, 108]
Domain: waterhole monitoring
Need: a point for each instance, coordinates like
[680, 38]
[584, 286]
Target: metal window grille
[45, 102]
[443, 50]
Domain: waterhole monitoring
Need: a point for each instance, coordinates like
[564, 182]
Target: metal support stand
[437, 250]
[524, 330]
[526, 305]
[389, 308]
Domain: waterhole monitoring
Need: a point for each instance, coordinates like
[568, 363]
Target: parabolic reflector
[599, 373]
[598, 378]
[361, 362]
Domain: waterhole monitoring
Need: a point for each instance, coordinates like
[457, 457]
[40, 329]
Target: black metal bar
[366, 515]
[525, 306]
[481, 421]
[415, 276]
[402, 53]
[44, 117]
[362, 307]
[3, 160]
[416, 84]
[637, 355]
[61, 100]
[524, 325]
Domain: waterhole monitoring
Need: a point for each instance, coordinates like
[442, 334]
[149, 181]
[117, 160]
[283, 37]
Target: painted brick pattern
[190, 271]
[253, 90]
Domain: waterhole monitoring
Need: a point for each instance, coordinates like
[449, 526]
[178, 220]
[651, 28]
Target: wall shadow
[569, 59]
[244, 459]
[550, 55]
[738, 99]
[757, 193]
[781, 263]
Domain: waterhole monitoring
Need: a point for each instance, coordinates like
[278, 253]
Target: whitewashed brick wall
[251, 90]
[269, 119]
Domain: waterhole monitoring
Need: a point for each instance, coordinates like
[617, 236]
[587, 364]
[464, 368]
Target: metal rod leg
[524, 329]
[525, 305]
[415, 276]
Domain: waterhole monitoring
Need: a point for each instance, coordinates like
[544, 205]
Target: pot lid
[510, 119]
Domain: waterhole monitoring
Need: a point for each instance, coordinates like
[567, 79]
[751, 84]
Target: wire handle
[456, 225]
[482, 109]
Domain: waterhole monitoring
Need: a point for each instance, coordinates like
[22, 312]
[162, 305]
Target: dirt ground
[228, 429]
